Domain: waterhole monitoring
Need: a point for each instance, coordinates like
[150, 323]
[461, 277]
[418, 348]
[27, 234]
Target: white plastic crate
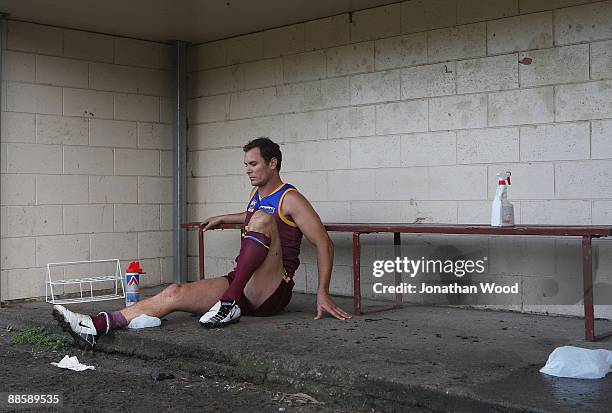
[85, 292]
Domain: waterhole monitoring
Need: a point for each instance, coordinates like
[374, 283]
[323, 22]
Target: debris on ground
[578, 363]
[295, 398]
[72, 363]
[159, 375]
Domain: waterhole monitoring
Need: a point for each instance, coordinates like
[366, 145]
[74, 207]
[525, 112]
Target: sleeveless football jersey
[290, 234]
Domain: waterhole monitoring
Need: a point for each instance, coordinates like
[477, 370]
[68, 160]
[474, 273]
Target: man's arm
[213, 222]
[308, 221]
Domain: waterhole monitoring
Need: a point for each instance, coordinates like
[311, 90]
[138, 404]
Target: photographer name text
[454, 288]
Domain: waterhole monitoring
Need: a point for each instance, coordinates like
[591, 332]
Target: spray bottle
[132, 283]
[502, 212]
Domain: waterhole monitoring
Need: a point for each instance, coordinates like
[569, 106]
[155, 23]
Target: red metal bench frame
[587, 233]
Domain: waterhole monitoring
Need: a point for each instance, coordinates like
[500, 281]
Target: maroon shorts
[273, 305]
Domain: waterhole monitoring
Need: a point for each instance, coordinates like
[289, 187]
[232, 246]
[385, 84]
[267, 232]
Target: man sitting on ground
[261, 284]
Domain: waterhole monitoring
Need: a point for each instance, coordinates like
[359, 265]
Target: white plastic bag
[144, 321]
[578, 363]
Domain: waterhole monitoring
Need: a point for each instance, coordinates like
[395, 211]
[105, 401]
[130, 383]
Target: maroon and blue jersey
[290, 234]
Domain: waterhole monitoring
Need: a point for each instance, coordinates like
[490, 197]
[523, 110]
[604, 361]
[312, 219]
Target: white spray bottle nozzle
[504, 176]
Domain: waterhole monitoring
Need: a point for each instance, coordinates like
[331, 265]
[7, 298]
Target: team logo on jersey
[268, 209]
[252, 206]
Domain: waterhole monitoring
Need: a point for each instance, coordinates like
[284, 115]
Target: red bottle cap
[134, 267]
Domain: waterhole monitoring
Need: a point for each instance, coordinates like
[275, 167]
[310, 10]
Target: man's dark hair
[268, 149]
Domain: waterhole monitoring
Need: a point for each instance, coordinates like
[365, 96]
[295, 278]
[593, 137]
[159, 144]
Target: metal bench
[587, 233]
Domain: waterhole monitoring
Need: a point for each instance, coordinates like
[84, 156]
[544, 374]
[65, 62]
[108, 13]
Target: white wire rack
[114, 282]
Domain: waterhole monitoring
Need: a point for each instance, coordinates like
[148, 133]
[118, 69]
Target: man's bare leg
[196, 298]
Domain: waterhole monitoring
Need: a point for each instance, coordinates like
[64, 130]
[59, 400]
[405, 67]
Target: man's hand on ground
[326, 305]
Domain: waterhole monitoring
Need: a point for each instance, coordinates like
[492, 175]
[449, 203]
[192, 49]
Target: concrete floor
[430, 358]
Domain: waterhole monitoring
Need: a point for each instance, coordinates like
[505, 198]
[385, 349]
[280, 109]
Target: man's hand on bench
[326, 305]
[213, 222]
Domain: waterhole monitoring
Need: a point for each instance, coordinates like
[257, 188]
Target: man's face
[258, 171]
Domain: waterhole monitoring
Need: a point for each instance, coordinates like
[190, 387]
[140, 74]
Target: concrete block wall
[404, 113]
[86, 154]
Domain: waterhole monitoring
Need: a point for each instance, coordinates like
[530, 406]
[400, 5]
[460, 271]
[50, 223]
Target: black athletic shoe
[79, 326]
[221, 314]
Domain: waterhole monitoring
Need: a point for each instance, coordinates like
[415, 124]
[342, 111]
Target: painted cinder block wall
[404, 113]
[86, 154]
[400, 113]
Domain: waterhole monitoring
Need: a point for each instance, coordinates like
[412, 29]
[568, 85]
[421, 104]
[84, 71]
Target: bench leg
[201, 252]
[397, 245]
[356, 274]
[587, 278]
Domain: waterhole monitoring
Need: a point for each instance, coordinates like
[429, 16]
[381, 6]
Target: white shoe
[221, 314]
[79, 326]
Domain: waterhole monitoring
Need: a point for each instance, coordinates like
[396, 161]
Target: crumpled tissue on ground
[72, 363]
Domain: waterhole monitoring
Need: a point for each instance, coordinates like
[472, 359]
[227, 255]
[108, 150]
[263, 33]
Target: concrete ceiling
[190, 20]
